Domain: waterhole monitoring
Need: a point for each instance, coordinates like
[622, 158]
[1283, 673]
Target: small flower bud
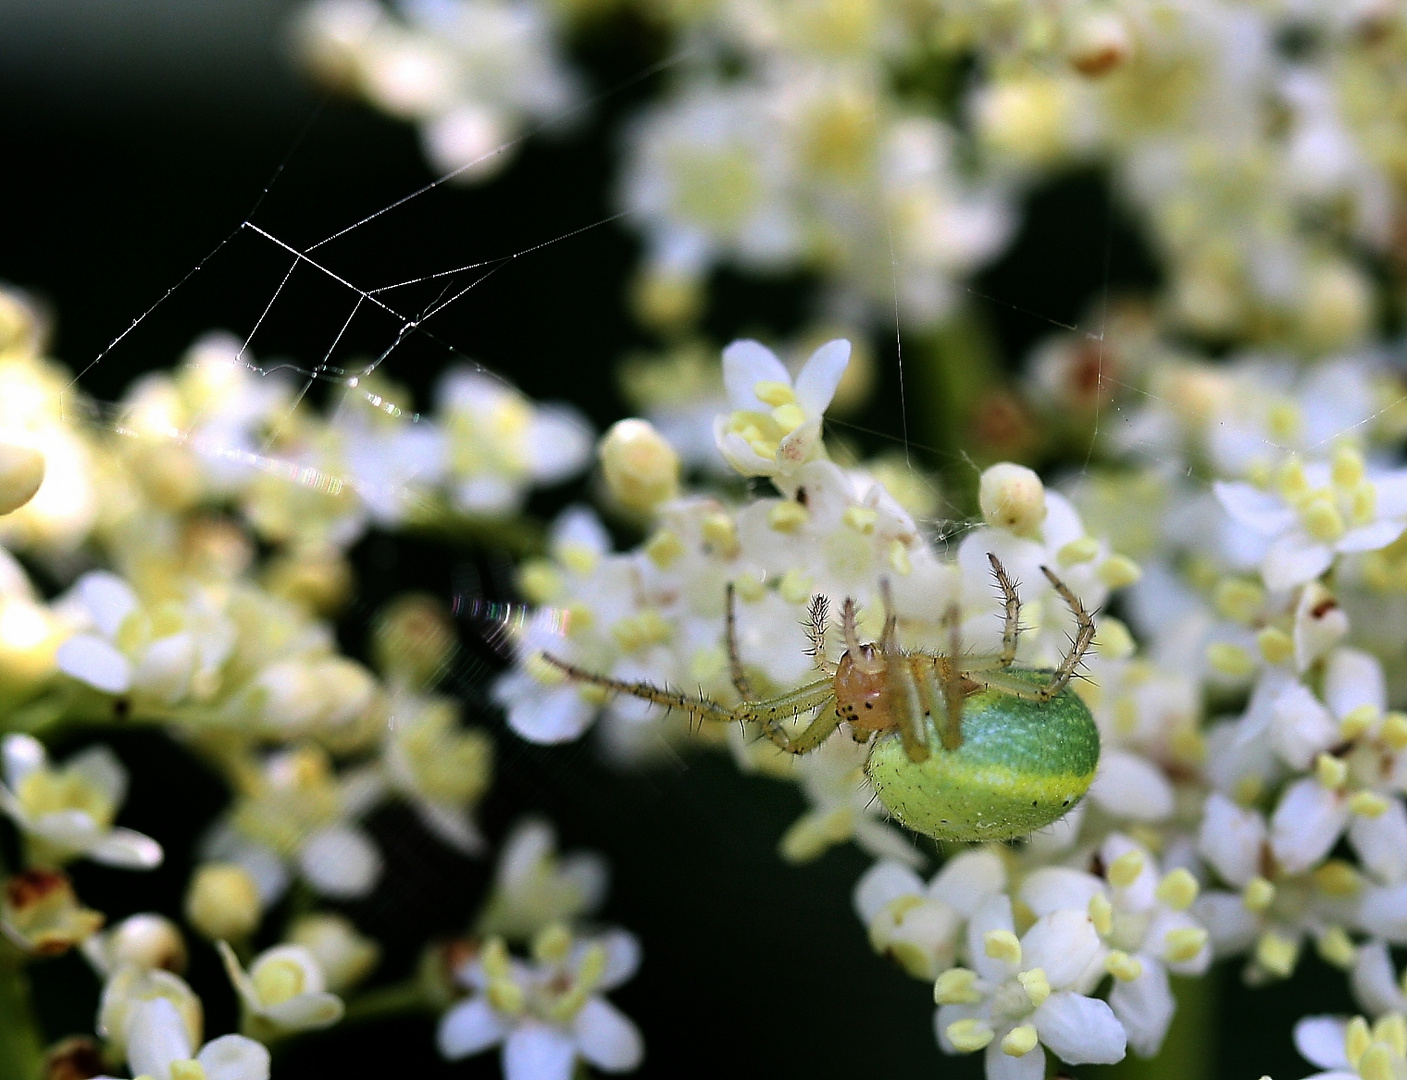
[345, 956]
[641, 468]
[147, 940]
[222, 903]
[1098, 43]
[413, 639]
[21, 473]
[1012, 497]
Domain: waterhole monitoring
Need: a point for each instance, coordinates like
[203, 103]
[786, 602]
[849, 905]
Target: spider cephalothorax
[963, 747]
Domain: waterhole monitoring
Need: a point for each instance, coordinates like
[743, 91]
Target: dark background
[140, 137]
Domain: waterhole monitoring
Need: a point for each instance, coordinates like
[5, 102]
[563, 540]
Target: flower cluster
[172, 618]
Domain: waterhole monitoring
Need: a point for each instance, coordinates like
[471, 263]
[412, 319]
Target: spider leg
[735, 663]
[1011, 604]
[817, 617]
[908, 706]
[698, 707]
[770, 714]
[889, 639]
[947, 673]
[1079, 644]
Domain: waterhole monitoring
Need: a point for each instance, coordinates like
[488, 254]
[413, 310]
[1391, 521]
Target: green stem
[21, 1045]
[1189, 1050]
[390, 1000]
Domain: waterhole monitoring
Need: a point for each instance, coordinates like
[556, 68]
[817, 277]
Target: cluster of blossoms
[1249, 527]
[883, 143]
[189, 629]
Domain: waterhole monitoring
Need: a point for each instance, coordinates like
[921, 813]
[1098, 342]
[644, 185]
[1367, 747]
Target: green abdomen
[1022, 765]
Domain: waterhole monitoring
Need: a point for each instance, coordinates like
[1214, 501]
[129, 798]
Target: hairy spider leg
[817, 618]
[1061, 676]
[735, 662]
[767, 714]
[1011, 606]
[951, 682]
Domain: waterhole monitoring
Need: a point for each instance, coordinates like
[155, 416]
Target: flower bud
[21, 473]
[147, 940]
[1098, 43]
[222, 902]
[666, 301]
[1012, 497]
[412, 639]
[641, 468]
[345, 956]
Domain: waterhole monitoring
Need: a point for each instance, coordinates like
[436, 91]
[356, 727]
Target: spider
[963, 747]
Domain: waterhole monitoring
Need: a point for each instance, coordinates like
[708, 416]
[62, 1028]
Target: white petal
[537, 1052]
[156, 1036]
[1145, 1007]
[233, 1057]
[559, 443]
[1383, 913]
[340, 861]
[557, 716]
[1302, 726]
[1353, 678]
[1233, 929]
[1231, 839]
[96, 662]
[1254, 508]
[239, 978]
[128, 849]
[1381, 842]
[469, 1028]
[1370, 537]
[1320, 1039]
[165, 669]
[23, 755]
[1052, 888]
[966, 880]
[1294, 559]
[1080, 1030]
[745, 364]
[306, 1011]
[623, 954]
[1375, 982]
[1002, 1066]
[606, 1037]
[818, 378]
[100, 767]
[453, 825]
[1132, 787]
[1063, 943]
[1306, 824]
[109, 601]
[994, 914]
[884, 881]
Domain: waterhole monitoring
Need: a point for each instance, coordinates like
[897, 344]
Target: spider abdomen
[1022, 765]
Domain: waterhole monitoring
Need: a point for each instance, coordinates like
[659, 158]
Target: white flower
[497, 443]
[843, 807]
[534, 887]
[297, 812]
[163, 656]
[283, 988]
[920, 926]
[775, 426]
[1351, 1049]
[159, 1046]
[1316, 512]
[1020, 994]
[67, 812]
[1143, 922]
[550, 1012]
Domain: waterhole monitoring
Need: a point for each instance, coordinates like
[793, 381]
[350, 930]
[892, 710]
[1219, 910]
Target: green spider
[963, 747]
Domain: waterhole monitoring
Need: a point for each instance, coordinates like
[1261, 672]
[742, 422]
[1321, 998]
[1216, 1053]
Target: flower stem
[1188, 1051]
[21, 1045]
[401, 997]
